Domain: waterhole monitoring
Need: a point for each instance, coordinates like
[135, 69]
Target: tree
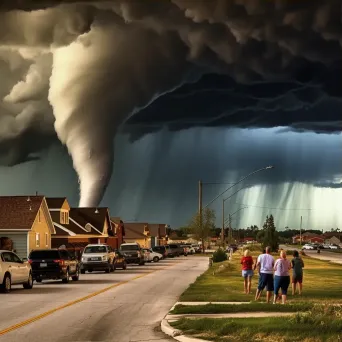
[270, 234]
[201, 228]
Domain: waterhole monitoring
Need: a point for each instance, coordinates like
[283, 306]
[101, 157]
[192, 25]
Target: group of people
[266, 266]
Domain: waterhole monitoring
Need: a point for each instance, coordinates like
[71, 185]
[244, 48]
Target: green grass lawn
[322, 283]
[314, 326]
[235, 308]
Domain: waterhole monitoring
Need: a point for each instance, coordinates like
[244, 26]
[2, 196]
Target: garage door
[19, 243]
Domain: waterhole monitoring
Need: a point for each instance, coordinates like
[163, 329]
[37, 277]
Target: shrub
[219, 255]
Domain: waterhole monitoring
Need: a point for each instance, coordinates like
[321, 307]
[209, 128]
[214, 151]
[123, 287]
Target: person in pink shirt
[282, 267]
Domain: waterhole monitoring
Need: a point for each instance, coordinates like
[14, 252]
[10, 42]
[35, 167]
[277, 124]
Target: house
[138, 232]
[308, 237]
[77, 227]
[146, 234]
[333, 240]
[118, 230]
[25, 223]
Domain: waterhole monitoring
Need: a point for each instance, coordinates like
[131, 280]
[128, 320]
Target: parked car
[14, 271]
[53, 264]
[163, 250]
[197, 248]
[119, 260]
[97, 257]
[308, 246]
[333, 246]
[133, 253]
[152, 256]
[176, 250]
[326, 246]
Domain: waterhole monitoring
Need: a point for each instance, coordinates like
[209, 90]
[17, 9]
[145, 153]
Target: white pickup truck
[14, 271]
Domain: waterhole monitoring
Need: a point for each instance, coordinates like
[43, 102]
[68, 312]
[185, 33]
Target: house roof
[95, 216]
[55, 202]
[135, 230]
[74, 225]
[19, 212]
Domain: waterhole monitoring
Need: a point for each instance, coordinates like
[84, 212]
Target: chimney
[36, 193]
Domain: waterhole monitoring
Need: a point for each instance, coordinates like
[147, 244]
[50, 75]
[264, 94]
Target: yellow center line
[50, 312]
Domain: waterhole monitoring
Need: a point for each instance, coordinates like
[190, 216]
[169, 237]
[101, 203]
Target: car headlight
[84, 259]
[105, 258]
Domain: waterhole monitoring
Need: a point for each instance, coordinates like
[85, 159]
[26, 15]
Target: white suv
[14, 271]
[98, 257]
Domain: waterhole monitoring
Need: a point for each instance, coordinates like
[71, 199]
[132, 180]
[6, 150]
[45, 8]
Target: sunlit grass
[307, 327]
[322, 283]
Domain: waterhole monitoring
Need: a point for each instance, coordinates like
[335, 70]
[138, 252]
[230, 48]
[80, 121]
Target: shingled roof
[55, 202]
[19, 212]
[95, 216]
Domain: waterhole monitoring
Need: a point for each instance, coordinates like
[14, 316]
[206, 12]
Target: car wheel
[76, 277]
[38, 280]
[155, 259]
[82, 271]
[142, 263]
[7, 284]
[66, 278]
[113, 267]
[124, 266]
[109, 268]
[90, 271]
[29, 284]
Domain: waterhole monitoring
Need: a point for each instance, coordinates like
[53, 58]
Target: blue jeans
[281, 282]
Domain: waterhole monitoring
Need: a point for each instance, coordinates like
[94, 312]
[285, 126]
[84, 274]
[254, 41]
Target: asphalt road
[131, 310]
[326, 255]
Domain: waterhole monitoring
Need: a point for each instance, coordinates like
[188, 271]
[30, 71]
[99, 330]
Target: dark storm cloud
[327, 184]
[279, 61]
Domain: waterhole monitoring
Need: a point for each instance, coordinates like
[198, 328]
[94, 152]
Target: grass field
[321, 324]
[316, 318]
[322, 283]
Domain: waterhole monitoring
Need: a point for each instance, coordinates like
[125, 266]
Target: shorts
[281, 282]
[266, 280]
[247, 273]
[297, 279]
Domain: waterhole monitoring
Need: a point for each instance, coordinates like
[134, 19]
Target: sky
[156, 178]
[128, 104]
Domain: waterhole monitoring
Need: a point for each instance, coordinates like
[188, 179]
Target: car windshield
[129, 247]
[95, 249]
[41, 255]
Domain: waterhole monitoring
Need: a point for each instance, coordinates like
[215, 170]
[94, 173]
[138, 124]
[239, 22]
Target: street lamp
[200, 192]
[241, 180]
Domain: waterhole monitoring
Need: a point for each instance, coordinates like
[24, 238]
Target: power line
[257, 206]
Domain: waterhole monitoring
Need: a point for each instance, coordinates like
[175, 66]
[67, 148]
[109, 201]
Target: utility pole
[200, 186]
[222, 230]
[300, 231]
[230, 228]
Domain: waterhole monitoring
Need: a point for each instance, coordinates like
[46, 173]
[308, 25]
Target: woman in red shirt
[247, 271]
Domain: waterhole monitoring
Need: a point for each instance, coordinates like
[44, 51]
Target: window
[46, 239]
[37, 239]
[64, 217]
[15, 258]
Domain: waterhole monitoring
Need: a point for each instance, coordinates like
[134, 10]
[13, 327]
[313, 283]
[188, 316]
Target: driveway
[131, 310]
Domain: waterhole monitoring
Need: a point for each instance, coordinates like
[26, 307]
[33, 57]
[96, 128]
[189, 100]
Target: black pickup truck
[133, 253]
[53, 264]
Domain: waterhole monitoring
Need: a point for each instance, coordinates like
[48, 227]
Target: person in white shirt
[265, 262]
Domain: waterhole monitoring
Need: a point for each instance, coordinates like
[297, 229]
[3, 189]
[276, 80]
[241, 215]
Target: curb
[177, 334]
